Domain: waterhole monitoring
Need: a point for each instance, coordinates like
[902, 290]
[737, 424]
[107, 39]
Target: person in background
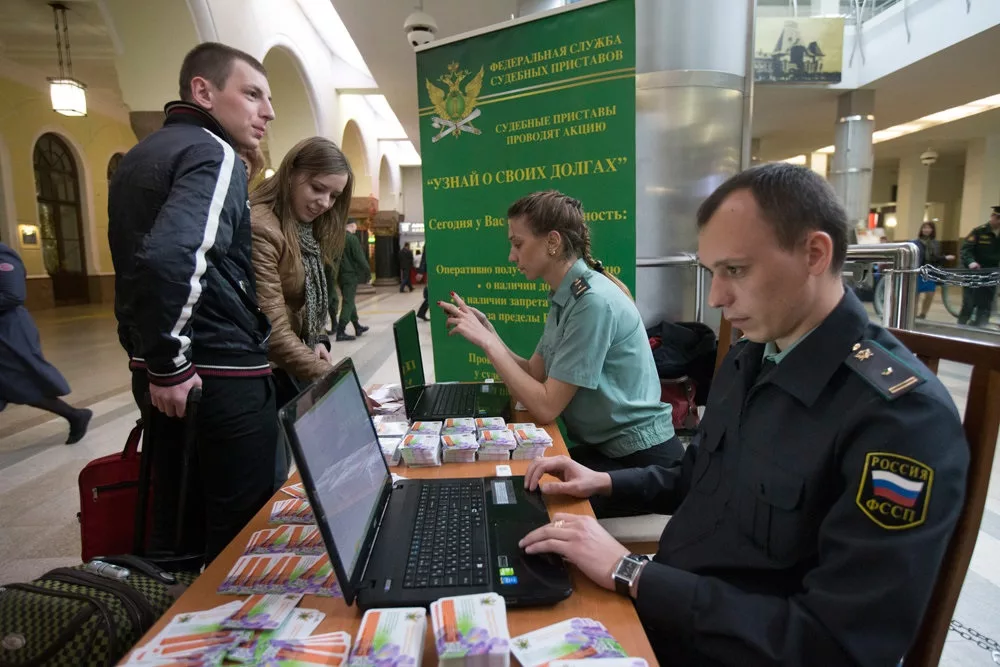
[298, 218]
[332, 271]
[26, 378]
[185, 298]
[593, 365]
[930, 251]
[354, 271]
[405, 265]
[980, 250]
[812, 513]
[422, 270]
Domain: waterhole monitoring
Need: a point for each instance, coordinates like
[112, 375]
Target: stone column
[853, 159]
[981, 188]
[911, 197]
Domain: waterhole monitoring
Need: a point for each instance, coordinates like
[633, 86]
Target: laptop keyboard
[454, 399]
[449, 537]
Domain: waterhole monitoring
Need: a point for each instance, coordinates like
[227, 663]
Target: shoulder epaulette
[889, 375]
[579, 287]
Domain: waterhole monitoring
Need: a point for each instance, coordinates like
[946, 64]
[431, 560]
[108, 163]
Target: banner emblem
[456, 107]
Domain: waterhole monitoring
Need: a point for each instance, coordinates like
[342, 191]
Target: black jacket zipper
[74, 626]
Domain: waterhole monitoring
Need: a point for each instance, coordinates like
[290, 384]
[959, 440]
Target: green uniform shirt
[354, 268]
[981, 245]
[595, 339]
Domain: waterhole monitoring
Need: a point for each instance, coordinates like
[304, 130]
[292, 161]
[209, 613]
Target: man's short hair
[795, 200]
[214, 62]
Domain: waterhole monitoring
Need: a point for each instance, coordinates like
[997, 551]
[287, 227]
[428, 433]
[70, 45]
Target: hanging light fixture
[69, 95]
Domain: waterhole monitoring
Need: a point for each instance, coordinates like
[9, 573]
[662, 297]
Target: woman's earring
[552, 253]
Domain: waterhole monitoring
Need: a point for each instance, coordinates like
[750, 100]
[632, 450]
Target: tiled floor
[39, 496]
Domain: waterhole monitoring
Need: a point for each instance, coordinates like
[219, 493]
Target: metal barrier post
[901, 292]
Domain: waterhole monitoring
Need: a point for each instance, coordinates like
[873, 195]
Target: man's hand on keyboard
[576, 480]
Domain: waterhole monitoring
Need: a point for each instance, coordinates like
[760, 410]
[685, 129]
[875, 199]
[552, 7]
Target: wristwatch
[627, 572]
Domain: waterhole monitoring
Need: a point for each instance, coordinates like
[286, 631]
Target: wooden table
[587, 600]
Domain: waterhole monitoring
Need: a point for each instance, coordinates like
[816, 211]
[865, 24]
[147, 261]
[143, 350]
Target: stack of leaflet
[459, 448]
[239, 631]
[421, 450]
[496, 445]
[331, 648]
[575, 639]
[471, 631]
[282, 573]
[297, 539]
[295, 510]
[532, 441]
[390, 436]
[390, 637]
[459, 425]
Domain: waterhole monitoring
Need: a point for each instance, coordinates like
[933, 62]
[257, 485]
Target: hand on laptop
[576, 480]
[580, 540]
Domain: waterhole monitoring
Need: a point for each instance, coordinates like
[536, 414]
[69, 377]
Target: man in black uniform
[810, 520]
[186, 298]
[980, 250]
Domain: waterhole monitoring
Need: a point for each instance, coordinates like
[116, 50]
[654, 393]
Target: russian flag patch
[895, 490]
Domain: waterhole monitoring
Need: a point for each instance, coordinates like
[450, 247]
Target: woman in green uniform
[593, 365]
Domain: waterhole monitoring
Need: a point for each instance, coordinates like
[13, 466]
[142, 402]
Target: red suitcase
[113, 487]
[109, 491]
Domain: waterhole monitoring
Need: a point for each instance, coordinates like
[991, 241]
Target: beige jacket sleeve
[285, 349]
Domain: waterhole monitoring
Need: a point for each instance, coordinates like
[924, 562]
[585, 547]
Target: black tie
[766, 367]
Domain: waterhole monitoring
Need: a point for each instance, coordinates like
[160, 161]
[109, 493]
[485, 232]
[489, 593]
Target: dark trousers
[423, 306]
[332, 300]
[231, 472]
[664, 454]
[348, 309]
[978, 300]
[404, 280]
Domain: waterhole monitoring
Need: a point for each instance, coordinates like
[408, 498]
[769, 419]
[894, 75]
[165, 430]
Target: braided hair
[552, 211]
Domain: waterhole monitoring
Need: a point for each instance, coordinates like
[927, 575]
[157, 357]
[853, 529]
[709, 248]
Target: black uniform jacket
[810, 520]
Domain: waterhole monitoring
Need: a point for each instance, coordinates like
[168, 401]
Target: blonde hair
[309, 157]
[552, 211]
[254, 161]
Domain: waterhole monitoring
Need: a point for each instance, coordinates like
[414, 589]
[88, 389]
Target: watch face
[627, 569]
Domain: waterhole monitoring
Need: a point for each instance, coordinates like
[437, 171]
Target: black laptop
[434, 402]
[411, 542]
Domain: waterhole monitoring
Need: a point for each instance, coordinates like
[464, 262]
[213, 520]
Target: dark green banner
[542, 104]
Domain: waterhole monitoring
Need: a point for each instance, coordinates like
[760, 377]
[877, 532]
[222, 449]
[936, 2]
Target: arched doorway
[57, 190]
[357, 154]
[294, 119]
[113, 163]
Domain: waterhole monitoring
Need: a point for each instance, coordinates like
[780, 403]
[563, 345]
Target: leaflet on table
[282, 573]
[263, 611]
[327, 649]
[471, 628]
[390, 637]
[295, 490]
[289, 538]
[300, 624]
[292, 511]
[196, 638]
[575, 639]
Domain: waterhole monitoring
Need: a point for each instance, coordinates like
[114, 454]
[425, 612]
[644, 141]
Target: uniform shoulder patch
[579, 287]
[889, 375]
[971, 236]
[895, 490]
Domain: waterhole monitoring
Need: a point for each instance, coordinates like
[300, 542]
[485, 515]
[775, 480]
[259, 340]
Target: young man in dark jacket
[185, 298]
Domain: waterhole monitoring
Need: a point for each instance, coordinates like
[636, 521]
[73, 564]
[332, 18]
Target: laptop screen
[411, 364]
[343, 459]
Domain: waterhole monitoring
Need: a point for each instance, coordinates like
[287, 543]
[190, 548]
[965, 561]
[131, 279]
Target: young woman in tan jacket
[298, 218]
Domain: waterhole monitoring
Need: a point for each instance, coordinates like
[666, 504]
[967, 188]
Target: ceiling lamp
[69, 96]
